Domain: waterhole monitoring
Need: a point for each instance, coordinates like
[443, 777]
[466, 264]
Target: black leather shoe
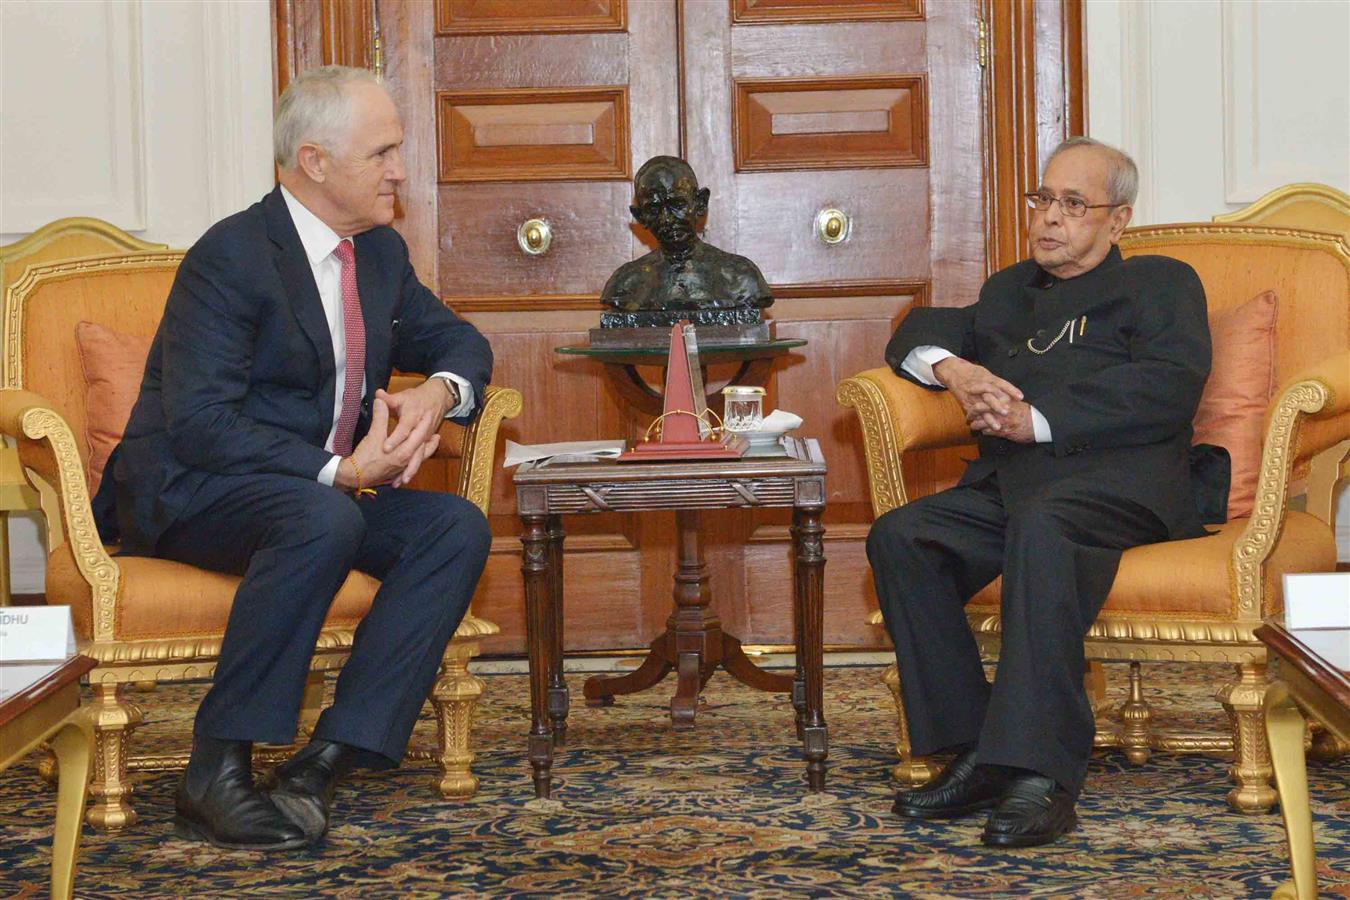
[1034, 810]
[217, 802]
[305, 783]
[961, 788]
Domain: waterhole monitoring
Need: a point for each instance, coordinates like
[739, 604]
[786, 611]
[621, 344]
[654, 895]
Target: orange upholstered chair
[1195, 600]
[149, 620]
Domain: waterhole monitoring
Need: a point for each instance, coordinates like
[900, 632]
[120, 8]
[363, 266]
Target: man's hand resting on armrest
[986, 399]
[371, 464]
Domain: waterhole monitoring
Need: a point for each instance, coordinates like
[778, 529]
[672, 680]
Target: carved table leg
[697, 637]
[539, 627]
[558, 696]
[1284, 730]
[808, 600]
[739, 666]
[600, 690]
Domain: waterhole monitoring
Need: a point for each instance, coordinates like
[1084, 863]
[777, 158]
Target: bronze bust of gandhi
[685, 278]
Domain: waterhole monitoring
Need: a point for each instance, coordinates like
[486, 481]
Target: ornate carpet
[644, 812]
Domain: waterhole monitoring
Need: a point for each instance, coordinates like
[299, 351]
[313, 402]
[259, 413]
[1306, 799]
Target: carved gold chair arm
[1309, 415]
[47, 446]
[898, 416]
[480, 444]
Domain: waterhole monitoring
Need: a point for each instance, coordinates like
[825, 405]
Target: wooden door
[520, 110]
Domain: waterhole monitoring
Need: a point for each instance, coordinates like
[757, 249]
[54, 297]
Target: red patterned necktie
[354, 327]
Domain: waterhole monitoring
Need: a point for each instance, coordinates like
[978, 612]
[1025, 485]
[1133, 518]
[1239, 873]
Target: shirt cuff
[465, 392]
[1040, 427]
[921, 360]
[329, 472]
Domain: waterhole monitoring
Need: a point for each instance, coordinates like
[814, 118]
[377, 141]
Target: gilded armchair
[131, 613]
[1197, 600]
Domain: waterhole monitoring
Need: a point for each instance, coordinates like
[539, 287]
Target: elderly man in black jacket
[1080, 373]
[261, 445]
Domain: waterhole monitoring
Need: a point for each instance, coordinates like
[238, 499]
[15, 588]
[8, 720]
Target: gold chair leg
[456, 692]
[1244, 701]
[1094, 683]
[1327, 747]
[115, 718]
[71, 743]
[46, 767]
[1136, 720]
[1284, 729]
[908, 771]
[311, 705]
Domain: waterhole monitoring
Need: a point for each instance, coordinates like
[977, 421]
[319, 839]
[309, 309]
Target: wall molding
[125, 203]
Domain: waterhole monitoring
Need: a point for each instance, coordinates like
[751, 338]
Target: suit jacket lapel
[298, 278]
[375, 313]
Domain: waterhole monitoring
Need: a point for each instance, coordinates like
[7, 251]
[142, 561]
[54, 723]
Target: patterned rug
[721, 811]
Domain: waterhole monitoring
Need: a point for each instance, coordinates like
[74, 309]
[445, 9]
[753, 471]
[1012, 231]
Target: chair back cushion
[1308, 271]
[113, 364]
[1241, 383]
[124, 293]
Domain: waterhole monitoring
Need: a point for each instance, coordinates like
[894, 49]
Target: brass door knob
[534, 237]
[833, 226]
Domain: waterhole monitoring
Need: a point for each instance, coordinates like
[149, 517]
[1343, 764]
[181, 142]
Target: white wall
[154, 115]
[1220, 102]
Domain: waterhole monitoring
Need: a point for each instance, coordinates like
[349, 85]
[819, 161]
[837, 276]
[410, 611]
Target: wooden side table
[693, 644]
[48, 709]
[1317, 679]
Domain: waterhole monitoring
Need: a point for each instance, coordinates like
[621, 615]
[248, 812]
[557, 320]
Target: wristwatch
[453, 388]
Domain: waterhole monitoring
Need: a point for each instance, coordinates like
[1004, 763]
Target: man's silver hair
[1122, 178]
[316, 108]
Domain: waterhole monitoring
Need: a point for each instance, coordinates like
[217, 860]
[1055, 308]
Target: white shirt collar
[317, 238]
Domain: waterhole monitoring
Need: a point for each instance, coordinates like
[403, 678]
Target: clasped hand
[993, 407]
[394, 458]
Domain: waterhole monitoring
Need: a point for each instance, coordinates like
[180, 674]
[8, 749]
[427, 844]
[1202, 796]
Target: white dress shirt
[919, 363]
[320, 242]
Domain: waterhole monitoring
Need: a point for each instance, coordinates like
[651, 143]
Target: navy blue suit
[218, 469]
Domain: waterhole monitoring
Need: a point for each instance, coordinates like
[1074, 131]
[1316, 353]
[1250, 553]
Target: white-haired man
[1080, 373]
[260, 445]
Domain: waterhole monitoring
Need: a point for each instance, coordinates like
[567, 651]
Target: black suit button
[1012, 352]
[365, 405]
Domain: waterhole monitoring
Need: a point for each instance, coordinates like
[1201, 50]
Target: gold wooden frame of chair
[1308, 422]
[62, 239]
[104, 590]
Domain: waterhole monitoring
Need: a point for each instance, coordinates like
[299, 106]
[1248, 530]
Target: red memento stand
[683, 429]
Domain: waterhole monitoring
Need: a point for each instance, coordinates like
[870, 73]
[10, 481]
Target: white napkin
[780, 422]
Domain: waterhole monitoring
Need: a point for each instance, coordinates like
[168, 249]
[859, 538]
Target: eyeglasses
[1074, 207]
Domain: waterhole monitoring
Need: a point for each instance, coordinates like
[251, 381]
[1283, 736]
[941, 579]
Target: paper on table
[573, 450]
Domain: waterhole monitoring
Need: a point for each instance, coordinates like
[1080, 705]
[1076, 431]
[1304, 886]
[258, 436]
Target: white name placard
[35, 633]
[1320, 600]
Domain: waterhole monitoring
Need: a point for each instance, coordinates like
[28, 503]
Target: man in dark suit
[260, 445]
[1080, 373]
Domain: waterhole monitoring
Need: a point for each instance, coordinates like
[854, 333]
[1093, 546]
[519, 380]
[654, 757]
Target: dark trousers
[294, 542]
[1058, 552]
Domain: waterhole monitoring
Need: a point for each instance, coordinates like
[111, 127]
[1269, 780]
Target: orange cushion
[112, 363]
[160, 598]
[1194, 577]
[1241, 383]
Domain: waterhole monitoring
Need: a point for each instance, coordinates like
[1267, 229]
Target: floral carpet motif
[642, 811]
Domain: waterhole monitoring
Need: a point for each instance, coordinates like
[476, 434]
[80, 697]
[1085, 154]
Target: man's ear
[1120, 220]
[701, 209]
[311, 161]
